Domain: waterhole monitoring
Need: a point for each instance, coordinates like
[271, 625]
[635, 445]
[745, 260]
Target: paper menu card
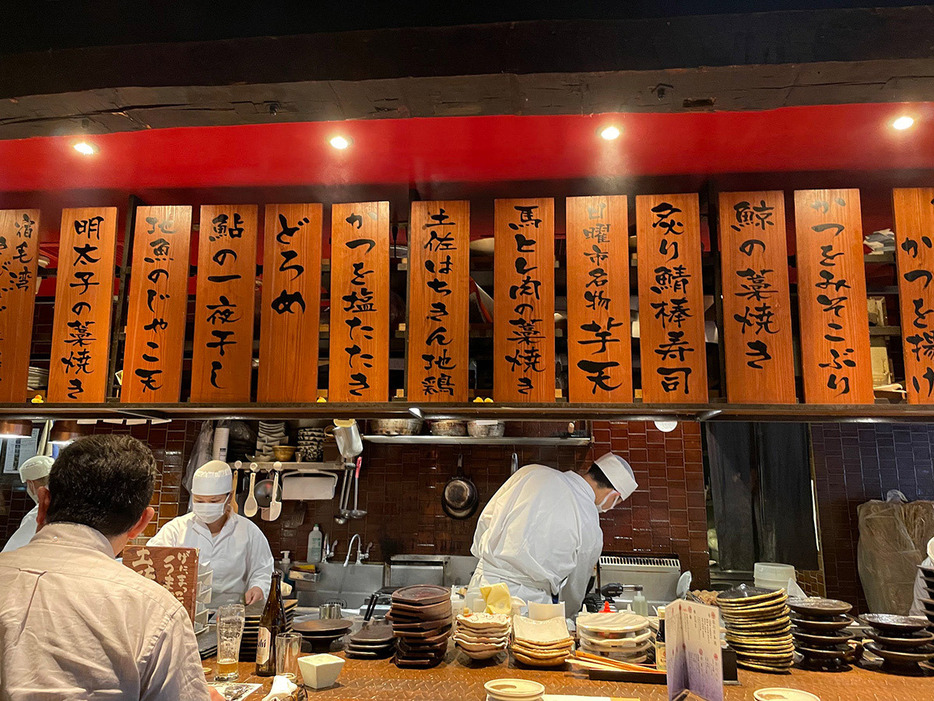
[692, 633]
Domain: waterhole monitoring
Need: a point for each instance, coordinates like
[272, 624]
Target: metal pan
[459, 498]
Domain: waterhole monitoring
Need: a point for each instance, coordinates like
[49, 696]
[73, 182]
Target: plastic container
[639, 604]
[773, 575]
[315, 543]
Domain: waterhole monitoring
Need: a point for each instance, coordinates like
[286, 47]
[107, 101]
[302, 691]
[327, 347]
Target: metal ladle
[357, 513]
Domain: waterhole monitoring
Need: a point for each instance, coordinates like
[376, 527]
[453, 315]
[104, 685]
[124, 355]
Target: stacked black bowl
[820, 633]
[901, 641]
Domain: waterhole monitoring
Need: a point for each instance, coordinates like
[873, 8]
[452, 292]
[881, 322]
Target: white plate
[513, 689]
[611, 623]
[780, 694]
[616, 643]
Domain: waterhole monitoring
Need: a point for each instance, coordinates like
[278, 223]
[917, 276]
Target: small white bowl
[320, 671]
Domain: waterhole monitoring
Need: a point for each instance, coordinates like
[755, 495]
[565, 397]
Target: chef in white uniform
[920, 591]
[234, 546]
[540, 533]
[35, 473]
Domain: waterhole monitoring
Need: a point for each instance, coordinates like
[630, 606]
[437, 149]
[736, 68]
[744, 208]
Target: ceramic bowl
[283, 452]
[320, 671]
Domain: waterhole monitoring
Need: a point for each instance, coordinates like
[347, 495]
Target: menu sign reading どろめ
[83, 302]
[439, 330]
[19, 256]
[524, 303]
[599, 346]
[158, 305]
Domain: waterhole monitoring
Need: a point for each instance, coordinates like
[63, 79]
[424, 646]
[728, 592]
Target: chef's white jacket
[25, 532]
[540, 535]
[76, 625]
[239, 554]
[921, 592]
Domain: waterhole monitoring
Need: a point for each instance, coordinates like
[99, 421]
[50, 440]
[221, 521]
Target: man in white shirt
[35, 473]
[540, 533]
[74, 623]
[234, 546]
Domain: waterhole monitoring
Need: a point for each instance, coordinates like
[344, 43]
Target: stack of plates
[251, 626]
[421, 623]
[321, 632]
[623, 636]
[819, 632]
[541, 643]
[758, 627]
[901, 641]
[513, 690]
[374, 642]
[311, 444]
[481, 636]
[271, 433]
[927, 576]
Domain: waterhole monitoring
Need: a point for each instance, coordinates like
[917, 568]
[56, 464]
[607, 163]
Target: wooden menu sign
[176, 569]
[671, 299]
[222, 356]
[19, 260]
[599, 346]
[757, 336]
[83, 299]
[158, 305]
[288, 367]
[835, 356]
[914, 238]
[439, 289]
[359, 327]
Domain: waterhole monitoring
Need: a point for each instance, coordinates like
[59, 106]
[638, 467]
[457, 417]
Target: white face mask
[208, 513]
[32, 495]
[615, 496]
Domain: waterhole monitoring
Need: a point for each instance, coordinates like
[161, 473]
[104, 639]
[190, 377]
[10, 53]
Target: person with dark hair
[540, 533]
[75, 623]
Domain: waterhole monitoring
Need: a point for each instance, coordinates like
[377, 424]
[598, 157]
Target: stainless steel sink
[352, 585]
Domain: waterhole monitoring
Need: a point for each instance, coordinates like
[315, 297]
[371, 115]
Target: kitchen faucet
[361, 556]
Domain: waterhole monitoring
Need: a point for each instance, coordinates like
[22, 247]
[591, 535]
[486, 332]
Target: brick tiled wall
[854, 463]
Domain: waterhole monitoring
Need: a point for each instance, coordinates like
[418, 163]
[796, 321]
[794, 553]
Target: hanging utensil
[234, 507]
[347, 436]
[275, 505]
[514, 465]
[342, 514]
[357, 512]
[250, 507]
[459, 498]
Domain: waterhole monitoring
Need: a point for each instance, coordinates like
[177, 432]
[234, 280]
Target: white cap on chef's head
[212, 479]
[35, 468]
[619, 474]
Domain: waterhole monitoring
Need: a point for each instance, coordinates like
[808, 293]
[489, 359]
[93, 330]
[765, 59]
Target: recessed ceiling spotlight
[85, 148]
[903, 122]
[341, 142]
[609, 133]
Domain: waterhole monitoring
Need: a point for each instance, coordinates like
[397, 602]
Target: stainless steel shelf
[469, 440]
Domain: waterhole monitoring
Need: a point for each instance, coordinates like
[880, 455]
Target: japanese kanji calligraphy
[599, 345]
[671, 299]
[524, 306]
[19, 255]
[222, 354]
[176, 569]
[78, 370]
[914, 250]
[359, 298]
[756, 300]
[158, 305]
[438, 329]
[835, 361]
[291, 303]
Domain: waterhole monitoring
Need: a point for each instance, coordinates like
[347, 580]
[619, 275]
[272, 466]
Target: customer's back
[75, 623]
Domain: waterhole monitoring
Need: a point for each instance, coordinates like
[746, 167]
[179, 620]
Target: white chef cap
[35, 468]
[212, 479]
[619, 474]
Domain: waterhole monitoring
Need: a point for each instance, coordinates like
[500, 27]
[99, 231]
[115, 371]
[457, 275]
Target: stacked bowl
[374, 642]
[541, 643]
[758, 627]
[421, 624]
[901, 641]
[622, 636]
[311, 445]
[481, 636]
[820, 633]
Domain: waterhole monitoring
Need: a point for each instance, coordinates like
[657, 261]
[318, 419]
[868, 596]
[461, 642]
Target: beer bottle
[271, 624]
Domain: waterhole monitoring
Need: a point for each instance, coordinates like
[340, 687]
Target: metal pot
[395, 427]
[459, 498]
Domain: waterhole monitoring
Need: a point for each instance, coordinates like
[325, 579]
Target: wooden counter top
[457, 680]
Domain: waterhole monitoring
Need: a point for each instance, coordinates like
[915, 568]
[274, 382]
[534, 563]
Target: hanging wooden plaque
[288, 350]
[524, 306]
[83, 299]
[158, 305]
[671, 299]
[599, 345]
[439, 291]
[757, 335]
[835, 356]
[19, 260]
[914, 239]
[222, 356]
[359, 326]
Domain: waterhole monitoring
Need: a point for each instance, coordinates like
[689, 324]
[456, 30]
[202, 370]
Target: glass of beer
[288, 650]
[229, 633]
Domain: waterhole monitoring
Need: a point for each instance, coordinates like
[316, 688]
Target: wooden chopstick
[615, 664]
